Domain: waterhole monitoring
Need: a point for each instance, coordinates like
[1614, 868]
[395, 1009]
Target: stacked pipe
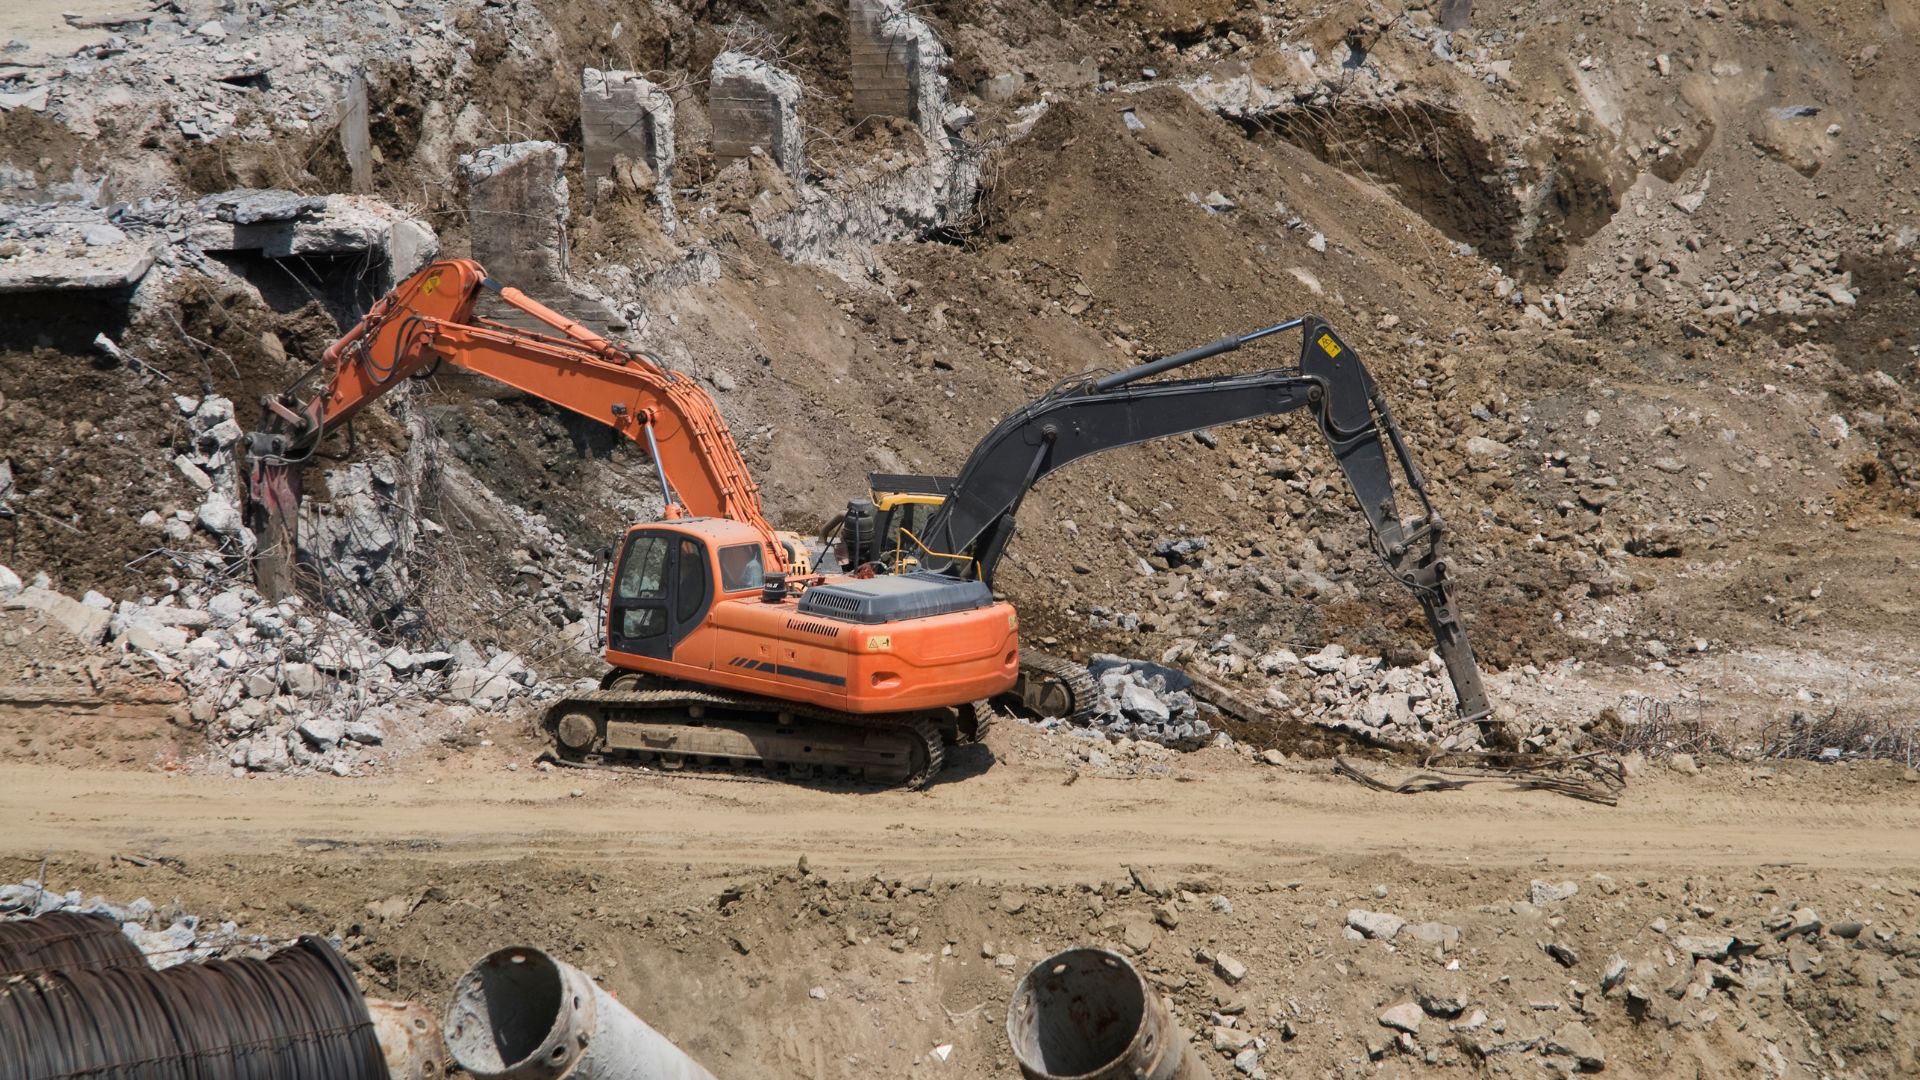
[297, 1013]
[66, 941]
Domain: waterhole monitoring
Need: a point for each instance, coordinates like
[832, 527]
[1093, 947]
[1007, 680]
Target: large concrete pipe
[1086, 1014]
[522, 1015]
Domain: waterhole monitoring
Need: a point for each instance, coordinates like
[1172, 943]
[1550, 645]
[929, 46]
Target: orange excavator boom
[429, 319]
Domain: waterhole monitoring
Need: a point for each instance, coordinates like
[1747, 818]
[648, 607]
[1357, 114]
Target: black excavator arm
[967, 535]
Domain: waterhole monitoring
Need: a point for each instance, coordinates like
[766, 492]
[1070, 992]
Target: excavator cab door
[660, 593]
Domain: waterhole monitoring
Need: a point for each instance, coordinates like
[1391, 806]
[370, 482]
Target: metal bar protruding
[1086, 1014]
[522, 1015]
[1182, 359]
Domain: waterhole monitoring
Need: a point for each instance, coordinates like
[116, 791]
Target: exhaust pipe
[522, 1015]
[1086, 1014]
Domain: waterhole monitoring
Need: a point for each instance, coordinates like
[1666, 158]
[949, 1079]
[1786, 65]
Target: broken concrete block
[624, 116]
[300, 679]
[114, 267]
[219, 516]
[897, 65]
[754, 104]
[324, 732]
[83, 621]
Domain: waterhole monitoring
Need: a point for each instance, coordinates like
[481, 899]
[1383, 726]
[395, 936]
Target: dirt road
[1008, 819]
[915, 912]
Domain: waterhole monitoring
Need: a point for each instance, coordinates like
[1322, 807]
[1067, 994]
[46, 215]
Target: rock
[818, 993]
[1150, 883]
[1141, 704]
[1482, 447]
[219, 516]
[1318, 242]
[10, 585]
[1137, 934]
[1273, 757]
[479, 686]
[1405, 1016]
[1229, 968]
[1847, 929]
[1218, 202]
[1684, 765]
[1561, 954]
[1704, 946]
[227, 607]
[301, 679]
[152, 637]
[1231, 1040]
[366, 731]
[1442, 1003]
[324, 732]
[1434, 933]
[212, 30]
[102, 234]
[258, 685]
[84, 621]
[1575, 1041]
[1543, 893]
[1615, 974]
[1327, 660]
[1012, 903]
[267, 753]
[1378, 925]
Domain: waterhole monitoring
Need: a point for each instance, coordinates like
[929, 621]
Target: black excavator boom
[968, 534]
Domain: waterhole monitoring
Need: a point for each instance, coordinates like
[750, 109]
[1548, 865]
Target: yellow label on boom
[1331, 346]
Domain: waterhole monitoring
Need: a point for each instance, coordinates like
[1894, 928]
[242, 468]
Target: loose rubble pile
[282, 686]
[1146, 701]
[167, 936]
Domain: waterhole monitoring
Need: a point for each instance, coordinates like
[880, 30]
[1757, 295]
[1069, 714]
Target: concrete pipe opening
[510, 1016]
[1086, 1013]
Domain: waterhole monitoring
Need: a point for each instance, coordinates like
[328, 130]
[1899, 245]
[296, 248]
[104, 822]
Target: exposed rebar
[66, 940]
[297, 1013]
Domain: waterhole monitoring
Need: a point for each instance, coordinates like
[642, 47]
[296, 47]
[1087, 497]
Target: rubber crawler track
[1086, 694]
[924, 743]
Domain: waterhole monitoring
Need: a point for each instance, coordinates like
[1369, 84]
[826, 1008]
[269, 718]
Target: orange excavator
[724, 646]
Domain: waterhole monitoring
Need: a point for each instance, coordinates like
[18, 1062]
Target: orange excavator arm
[429, 319]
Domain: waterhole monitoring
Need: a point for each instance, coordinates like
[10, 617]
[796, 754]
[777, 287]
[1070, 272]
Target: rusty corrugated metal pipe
[523, 1015]
[1086, 1014]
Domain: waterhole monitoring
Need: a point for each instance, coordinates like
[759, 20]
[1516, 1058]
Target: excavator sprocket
[1054, 686]
[700, 729]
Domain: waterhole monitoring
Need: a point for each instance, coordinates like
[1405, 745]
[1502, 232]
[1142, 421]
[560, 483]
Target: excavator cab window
[640, 592]
[741, 568]
[660, 593]
[691, 593]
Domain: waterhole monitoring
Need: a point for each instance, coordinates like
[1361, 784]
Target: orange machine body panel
[739, 642]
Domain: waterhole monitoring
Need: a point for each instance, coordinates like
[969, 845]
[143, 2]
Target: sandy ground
[1012, 821]
[47, 34]
[782, 931]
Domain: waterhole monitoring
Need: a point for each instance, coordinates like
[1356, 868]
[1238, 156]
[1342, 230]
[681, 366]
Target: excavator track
[676, 728]
[1055, 686]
